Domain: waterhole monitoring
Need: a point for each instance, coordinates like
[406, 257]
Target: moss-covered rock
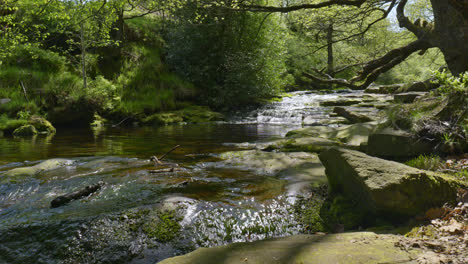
[353, 135]
[42, 125]
[200, 114]
[18, 174]
[163, 119]
[25, 131]
[190, 114]
[385, 187]
[344, 248]
[351, 116]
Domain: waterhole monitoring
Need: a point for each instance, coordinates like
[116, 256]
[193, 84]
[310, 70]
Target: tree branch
[286, 9]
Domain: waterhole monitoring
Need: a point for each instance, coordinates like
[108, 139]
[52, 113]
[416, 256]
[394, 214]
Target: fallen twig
[64, 199]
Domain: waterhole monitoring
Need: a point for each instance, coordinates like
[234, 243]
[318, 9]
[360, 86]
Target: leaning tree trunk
[451, 28]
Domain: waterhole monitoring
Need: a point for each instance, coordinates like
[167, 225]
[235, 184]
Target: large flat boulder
[351, 116]
[386, 187]
[346, 248]
[396, 144]
[353, 135]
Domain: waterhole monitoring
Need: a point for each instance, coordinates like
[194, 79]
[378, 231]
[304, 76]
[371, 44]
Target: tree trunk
[83, 51]
[330, 65]
[451, 29]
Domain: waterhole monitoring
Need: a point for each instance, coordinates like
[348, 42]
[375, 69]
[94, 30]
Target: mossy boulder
[18, 174]
[396, 144]
[386, 188]
[42, 125]
[25, 131]
[200, 114]
[352, 135]
[344, 248]
[163, 119]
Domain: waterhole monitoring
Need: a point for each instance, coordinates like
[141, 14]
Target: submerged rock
[24, 172]
[358, 247]
[296, 167]
[396, 144]
[25, 131]
[385, 187]
[353, 135]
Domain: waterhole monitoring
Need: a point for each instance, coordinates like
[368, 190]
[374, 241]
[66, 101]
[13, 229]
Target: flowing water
[127, 220]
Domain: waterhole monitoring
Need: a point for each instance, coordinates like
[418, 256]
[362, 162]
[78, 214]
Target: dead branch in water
[64, 199]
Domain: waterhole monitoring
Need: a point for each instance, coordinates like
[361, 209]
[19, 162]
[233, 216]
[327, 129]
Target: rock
[383, 89]
[396, 144]
[351, 116]
[200, 114]
[386, 188]
[358, 247]
[296, 167]
[42, 125]
[163, 119]
[352, 135]
[18, 174]
[407, 98]
[4, 101]
[424, 86]
[341, 102]
[25, 131]
[313, 121]
[306, 144]
[191, 114]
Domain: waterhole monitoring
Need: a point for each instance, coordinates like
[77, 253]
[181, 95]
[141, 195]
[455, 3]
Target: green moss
[163, 119]
[164, 227]
[9, 125]
[344, 211]
[41, 124]
[422, 232]
[200, 114]
[308, 213]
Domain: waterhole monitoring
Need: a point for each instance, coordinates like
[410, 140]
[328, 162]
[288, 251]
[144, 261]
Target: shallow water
[217, 204]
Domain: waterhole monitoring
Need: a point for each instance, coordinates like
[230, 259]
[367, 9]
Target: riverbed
[216, 203]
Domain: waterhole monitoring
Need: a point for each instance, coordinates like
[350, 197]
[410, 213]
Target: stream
[127, 220]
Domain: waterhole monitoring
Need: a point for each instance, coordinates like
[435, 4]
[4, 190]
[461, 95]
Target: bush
[145, 85]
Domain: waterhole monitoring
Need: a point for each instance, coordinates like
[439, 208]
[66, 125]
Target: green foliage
[451, 84]
[426, 162]
[9, 125]
[228, 55]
